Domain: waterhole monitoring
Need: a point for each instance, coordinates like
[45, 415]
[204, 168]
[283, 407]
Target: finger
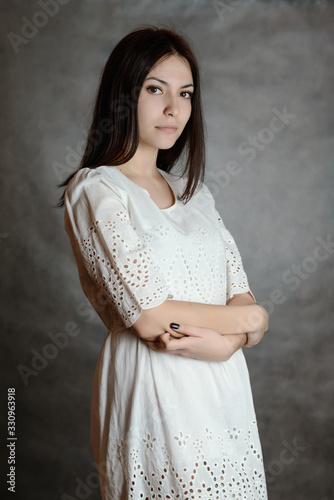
[175, 334]
[189, 330]
[168, 342]
[177, 344]
[164, 338]
[155, 346]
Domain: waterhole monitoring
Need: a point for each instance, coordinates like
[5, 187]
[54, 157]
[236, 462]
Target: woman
[172, 409]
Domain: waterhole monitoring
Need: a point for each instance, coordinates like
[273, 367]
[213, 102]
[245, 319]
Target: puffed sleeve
[107, 247]
[236, 278]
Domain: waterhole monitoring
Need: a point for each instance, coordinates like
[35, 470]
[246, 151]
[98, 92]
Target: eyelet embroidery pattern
[201, 478]
[195, 264]
[234, 433]
[135, 282]
[181, 439]
[130, 284]
[149, 442]
[236, 279]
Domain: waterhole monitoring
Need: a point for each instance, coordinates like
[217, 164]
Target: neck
[142, 164]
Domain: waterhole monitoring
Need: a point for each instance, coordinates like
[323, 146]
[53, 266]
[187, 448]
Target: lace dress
[162, 426]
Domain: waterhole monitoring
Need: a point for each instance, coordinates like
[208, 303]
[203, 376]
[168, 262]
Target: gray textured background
[255, 57]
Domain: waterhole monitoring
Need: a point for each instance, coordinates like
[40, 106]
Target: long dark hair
[113, 135]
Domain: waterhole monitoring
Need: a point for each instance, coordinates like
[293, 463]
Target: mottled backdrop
[267, 74]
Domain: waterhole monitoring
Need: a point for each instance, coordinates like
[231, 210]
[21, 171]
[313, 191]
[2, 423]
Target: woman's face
[164, 104]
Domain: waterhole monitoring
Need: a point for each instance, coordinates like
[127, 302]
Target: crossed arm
[208, 332]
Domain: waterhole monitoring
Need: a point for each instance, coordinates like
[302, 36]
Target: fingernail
[175, 326]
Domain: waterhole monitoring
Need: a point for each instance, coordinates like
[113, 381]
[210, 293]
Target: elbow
[261, 318]
[265, 319]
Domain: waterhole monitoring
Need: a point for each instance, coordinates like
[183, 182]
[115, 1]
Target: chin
[166, 144]
[166, 147]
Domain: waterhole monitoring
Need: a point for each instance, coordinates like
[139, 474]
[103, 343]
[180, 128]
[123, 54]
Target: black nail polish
[175, 326]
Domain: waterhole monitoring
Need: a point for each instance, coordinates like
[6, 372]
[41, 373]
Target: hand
[198, 343]
[155, 338]
[260, 321]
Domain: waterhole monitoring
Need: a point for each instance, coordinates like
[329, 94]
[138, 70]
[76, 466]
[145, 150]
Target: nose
[172, 107]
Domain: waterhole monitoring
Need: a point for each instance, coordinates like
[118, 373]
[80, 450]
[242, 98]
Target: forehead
[173, 67]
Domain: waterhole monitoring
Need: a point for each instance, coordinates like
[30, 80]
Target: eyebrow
[165, 83]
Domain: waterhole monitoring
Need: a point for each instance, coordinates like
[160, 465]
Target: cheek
[146, 110]
[187, 112]
[143, 114]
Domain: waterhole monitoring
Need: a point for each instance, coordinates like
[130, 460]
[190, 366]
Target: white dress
[162, 426]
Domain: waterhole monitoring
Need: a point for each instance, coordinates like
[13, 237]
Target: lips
[168, 129]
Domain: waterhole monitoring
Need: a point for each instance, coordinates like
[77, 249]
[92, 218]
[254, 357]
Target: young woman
[172, 409]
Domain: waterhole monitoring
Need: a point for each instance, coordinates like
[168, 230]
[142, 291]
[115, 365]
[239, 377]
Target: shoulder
[204, 197]
[91, 182]
[83, 177]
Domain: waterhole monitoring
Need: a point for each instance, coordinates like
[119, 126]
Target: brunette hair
[113, 136]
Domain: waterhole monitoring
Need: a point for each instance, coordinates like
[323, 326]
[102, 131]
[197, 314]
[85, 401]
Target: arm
[225, 319]
[203, 343]
[245, 339]
[198, 343]
[236, 342]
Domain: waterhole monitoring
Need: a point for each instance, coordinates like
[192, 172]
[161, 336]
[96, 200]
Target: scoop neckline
[162, 172]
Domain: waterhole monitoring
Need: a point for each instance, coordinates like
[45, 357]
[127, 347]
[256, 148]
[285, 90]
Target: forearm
[230, 319]
[199, 343]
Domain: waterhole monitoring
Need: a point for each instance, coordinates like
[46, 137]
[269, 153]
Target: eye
[188, 96]
[152, 89]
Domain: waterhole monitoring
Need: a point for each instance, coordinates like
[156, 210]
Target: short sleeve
[236, 278]
[106, 245]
